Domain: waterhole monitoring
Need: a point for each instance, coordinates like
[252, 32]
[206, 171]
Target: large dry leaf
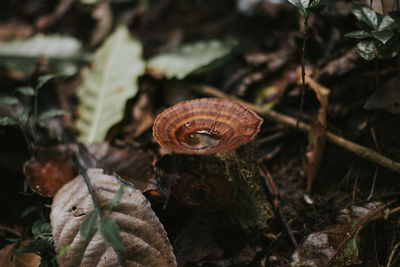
[343, 244]
[143, 235]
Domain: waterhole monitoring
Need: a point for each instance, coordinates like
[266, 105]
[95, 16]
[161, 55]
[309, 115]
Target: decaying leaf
[387, 97]
[268, 96]
[9, 259]
[190, 58]
[133, 164]
[110, 82]
[317, 135]
[50, 170]
[144, 239]
[340, 244]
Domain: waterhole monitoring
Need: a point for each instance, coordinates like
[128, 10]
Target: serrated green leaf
[382, 36]
[64, 52]
[107, 86]
[365, 14]
[7, 121]
[189, 58]
[52, 113]
[358, 34]
[367, 49]
[25, 90]
[109, 230]
[117, 198]
[8, 100]
[87, 227]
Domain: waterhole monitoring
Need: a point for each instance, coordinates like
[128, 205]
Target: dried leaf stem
[83, 172]
[361, 151]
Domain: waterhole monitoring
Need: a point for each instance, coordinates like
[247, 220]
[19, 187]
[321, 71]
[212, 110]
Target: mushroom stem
[250, 206]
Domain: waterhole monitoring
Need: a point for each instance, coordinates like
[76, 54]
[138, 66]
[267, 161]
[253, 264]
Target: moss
[250, 207]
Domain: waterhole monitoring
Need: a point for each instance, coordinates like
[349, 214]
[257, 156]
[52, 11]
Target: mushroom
[211, 137]
[206, 126]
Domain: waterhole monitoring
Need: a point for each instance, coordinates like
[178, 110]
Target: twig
[274, 191]
[390, 261]
[275, 116]
[85, 177]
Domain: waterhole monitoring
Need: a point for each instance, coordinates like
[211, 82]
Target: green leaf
[367, 49]
[383, 36]
[52, 113]
[387, 23]
[63, 251]
[7, 121]
[389, 49]
[109, 230]
[87, 228]
[189, 58]
[25, 90]
[365, 14]
[301, 5]
[358, 34]
[118, 196]
[23, 117]
[65, 53]
[107, 86]
[8, 100]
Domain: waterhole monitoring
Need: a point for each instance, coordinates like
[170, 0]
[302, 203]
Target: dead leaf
[143, 235]
[104, 16]
[133, 164]
[340, 244]
[269, 95]
[143, 114]
[387, 97]
[14, 29]
[317, 136]
[50, 170]
[9, 259]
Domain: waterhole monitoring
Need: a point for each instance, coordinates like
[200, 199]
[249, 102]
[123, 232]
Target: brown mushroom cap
[206, 126]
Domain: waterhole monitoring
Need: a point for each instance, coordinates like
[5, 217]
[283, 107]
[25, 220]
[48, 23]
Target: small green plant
[378, 39]
[26, 118]
[305, 7]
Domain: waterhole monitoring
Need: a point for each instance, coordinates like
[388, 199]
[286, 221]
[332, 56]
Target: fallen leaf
[387, 97]
[190, 58]
[340, 244]
[108, 84]
[142, 234]
[50, 170]
[269, 95]
[317, 136]
[133, 164]
[9, 259]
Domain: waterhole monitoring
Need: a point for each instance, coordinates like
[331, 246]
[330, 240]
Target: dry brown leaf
[8, 259]
[317, 136]
[50, 170]
[143, 235]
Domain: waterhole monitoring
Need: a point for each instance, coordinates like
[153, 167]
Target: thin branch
[86, 178]
[361, 151]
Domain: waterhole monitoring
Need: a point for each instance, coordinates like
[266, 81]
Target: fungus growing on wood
[206, 126]
[211, 137]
